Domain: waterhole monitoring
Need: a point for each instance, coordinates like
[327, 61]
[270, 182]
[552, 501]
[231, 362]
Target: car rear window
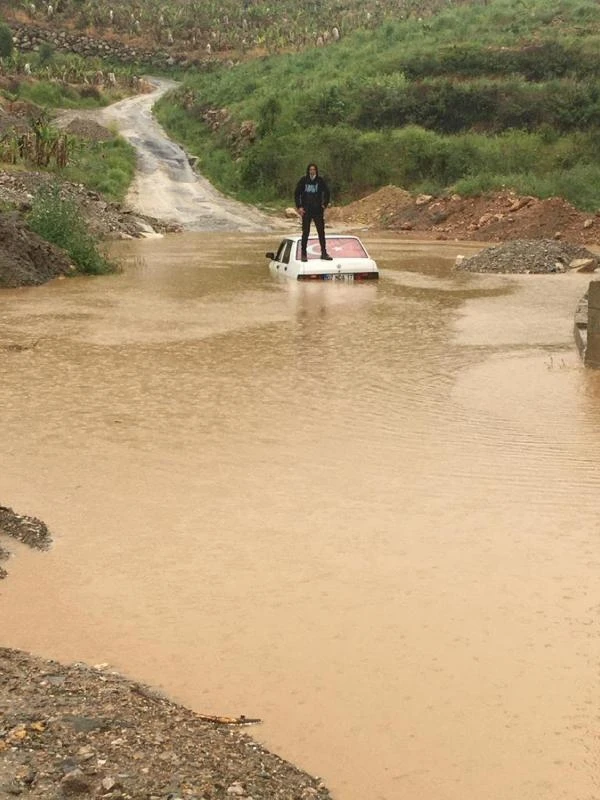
[337, 246]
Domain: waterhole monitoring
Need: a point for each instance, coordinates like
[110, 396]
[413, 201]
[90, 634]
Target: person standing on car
[312, 198]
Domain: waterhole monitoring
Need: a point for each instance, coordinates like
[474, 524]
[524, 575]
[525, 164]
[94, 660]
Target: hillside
[475, 98]
[226, 29]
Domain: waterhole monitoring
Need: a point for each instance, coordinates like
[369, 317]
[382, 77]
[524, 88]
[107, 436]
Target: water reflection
[321, 297]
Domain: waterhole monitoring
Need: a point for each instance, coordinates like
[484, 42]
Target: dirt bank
[493, 217]
[28, 260]
[25, 258]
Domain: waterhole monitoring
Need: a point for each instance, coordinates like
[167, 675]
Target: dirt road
[165, 186]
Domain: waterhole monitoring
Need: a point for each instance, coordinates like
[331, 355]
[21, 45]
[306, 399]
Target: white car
[350, 260]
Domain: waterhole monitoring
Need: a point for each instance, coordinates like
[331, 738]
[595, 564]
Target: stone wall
[28, 38]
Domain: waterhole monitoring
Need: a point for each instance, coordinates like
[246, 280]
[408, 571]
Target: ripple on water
[366, 514]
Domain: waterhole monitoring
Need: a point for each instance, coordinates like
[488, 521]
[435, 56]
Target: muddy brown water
[367, 514]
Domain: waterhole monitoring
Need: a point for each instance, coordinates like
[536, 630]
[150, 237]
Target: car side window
[286, 253]
[280, 249]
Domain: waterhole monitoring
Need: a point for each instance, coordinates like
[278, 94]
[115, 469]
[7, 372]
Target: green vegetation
[476, 97]
[230, 26]
[56, 219]
[64, 80]
[54, 95]
[6, 42]
[106, 167]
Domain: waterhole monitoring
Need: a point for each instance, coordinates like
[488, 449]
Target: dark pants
[308, 217]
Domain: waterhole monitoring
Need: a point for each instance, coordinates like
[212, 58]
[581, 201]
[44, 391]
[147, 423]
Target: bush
[45, 54]
[6, 41]
[57, 220]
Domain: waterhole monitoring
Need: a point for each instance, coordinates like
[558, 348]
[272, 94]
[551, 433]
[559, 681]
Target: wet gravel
[530, 256]
[27, 530]
[78, 731]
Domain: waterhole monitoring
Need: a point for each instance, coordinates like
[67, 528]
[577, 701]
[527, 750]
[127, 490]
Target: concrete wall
[592, 350]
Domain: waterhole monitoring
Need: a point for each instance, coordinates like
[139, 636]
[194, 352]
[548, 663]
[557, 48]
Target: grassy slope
[476, 97]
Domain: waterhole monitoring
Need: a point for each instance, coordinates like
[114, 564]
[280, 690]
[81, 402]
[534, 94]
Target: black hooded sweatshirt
[313, 195]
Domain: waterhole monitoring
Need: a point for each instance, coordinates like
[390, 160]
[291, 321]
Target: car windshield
[337, 246]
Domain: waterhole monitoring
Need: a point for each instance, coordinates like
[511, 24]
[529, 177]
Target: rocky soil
[28, 530]
[494, 217]
[75, 731]
[105, 219]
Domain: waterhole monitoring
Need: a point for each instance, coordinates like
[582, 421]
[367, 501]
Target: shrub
[45, 54]
[57, 219]
[6, 42]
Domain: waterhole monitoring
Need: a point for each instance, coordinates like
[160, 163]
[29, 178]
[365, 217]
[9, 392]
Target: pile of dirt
[70, 731]
[25, 258]
[377, 210]
[501, 216]
[105, 219]
[89, 130]
[531, 256]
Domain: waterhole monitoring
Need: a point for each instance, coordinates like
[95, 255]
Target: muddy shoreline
[80, 731]
[77, 730]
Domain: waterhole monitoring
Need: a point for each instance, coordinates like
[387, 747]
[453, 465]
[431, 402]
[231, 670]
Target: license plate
[339, 276]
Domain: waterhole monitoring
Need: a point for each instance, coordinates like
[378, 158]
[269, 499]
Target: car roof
[298, 237]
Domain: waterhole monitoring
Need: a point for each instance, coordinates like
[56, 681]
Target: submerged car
[349, 260]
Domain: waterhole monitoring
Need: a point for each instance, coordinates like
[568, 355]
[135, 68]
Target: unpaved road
[165, 186]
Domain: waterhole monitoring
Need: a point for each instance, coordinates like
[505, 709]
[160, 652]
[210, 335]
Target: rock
[423, 199]
[584, 264]
[485, 219]
[75, 783]
[248, 130]
[521, 202]
[588, 224]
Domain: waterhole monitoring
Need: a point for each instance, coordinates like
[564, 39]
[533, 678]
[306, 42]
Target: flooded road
[366, 514]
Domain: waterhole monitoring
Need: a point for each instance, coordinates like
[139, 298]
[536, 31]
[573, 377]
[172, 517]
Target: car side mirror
[270, 255]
